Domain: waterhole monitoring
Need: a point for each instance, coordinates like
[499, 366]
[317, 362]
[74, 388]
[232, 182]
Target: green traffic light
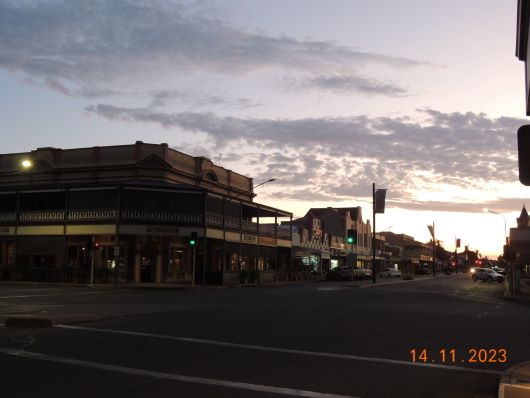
[192, 242]
[350, 239]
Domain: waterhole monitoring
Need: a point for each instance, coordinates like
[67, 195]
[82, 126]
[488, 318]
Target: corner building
[124, 214]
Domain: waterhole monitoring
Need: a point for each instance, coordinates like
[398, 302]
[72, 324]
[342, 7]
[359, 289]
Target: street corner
[515, 383]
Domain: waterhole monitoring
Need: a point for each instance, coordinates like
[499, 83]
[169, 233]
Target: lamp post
[510, 264]
[504, 218]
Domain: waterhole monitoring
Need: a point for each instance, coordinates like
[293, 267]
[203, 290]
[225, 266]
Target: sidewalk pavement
[515, 383]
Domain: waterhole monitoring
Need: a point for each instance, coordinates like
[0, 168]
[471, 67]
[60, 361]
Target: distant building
[332, 224]
[406, 252]
[127, 213]
[520, 242]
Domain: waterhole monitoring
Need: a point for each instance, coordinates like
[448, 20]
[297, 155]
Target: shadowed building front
[126, 213]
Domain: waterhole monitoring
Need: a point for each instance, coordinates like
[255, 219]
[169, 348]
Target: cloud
[103, 46]
[163, 98]
[347, 84]
[339, 157]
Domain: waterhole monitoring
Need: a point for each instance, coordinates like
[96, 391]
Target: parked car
[423, 269]
[499, 270]
[390, 272]
[362, 273]
[339, 274]
[486, 274]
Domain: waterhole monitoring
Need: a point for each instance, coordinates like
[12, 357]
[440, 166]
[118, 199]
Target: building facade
[126, 213]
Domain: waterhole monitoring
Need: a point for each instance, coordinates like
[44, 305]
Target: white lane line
[50, 295]
[284, 350]
[171, 376]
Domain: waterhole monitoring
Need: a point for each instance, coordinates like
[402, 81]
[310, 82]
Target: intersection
[339, 339]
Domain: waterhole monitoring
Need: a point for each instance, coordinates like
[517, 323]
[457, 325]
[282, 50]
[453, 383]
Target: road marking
[171, 376]
[283, 350]
[49, 295]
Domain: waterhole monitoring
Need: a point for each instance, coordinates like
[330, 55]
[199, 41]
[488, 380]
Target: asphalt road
[314, 340]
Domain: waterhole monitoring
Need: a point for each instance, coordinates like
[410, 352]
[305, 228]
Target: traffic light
[193, 239]
[351, 237]
[523, 149]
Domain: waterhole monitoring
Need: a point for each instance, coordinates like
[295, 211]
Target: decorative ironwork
[8, 216]
[282, 233]
[92, 215]
[214, 219]
[43, 216]
[249, 226]
[231, 222]
[161, 217]
[267, 230]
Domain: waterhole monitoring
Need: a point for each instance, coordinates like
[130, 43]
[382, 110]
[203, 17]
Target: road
[325, 339]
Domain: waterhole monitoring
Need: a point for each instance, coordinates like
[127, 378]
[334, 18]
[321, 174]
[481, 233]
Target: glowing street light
[26, 163]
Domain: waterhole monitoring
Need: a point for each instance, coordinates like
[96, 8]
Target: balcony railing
[42, 216]
[214, 219]
[113, 215]
[162, 217]
[267, 230]
[282, 233]
[93, 215]
[8, 216]
[231, 222]
[249, 226]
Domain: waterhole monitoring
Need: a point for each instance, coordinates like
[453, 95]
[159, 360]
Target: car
[486, 274]
[390, 272]
[362, 273]
[499, 270]
[340, 274]
[423, 269]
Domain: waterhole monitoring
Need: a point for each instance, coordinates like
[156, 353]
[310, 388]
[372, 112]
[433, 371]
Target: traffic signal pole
[92, 255]
[193, 271]
[373, 234]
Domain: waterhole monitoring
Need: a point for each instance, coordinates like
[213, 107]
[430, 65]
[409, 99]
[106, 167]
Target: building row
[146, 213]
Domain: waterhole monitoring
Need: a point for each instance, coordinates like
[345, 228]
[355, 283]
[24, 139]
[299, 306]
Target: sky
[423, 98]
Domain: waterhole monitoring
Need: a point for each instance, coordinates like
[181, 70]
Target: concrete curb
[515, 383]
[391, 282]
[30, 322]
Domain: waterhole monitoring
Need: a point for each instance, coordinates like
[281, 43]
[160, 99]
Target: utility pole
[193, 270]
[433, 251]
[373, 234]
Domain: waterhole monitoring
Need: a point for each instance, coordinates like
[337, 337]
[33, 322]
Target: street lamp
[264, 182]
[24, 165]
[504, 218]
[511, 265]
[255, 186]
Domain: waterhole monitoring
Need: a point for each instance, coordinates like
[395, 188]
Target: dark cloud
[347, 84]
[340, 157]
[163, 98]
[101, 46]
